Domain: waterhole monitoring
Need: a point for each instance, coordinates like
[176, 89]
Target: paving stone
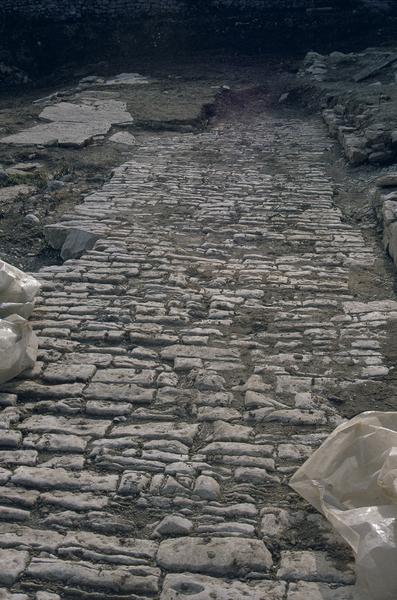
[84, 574]
[312, 566]
[72, 124]
[207, 488]
[63, 374]
[200, 587]
[167, 431]
[214, 556]
[84, 427]
[6, 595]
[84, 501]
[56, 442]
[18, 536]
[44, 478]
[123, 137]
[173, 525]
[185, 370]
[318, 591]
[120, 392]
[12, 565]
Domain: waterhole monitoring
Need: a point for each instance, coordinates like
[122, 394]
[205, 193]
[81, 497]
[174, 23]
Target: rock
[73, 124]
[23, 169]
[91, 79]
[123, 137]
[74, 135]
[312, 57]
[118, 580]
[12, 564]
[31, 219]
[182, 432]
[354, 147]
[207, 488]
[318, 591]
[356, 155]
[44, 478]
[11, 75]
[90, 111]
[47, 596]
[385, 181]
[215, 556]
[283, 98]
[199, 587]
[133, 483]
[56, 235]
[174, 525]
[77, 242]
[381, 158]
[390, 235]
[6, 595]
[4, 177]
[127, 79]
[312, 566]
[54, 185]
[8, 194]
[337, 58]
[207, 381]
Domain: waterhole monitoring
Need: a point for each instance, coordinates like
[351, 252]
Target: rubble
[358, 111]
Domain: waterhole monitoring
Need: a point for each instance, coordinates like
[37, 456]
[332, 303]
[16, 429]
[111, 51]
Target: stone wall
[77, 9]
[44, 34]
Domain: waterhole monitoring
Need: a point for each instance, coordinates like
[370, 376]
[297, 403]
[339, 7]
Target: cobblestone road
[183, 376]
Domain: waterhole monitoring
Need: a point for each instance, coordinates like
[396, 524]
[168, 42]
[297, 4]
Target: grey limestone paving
[71, 124]
[182, 377]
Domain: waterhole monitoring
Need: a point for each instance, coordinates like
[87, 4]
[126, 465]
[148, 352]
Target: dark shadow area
[42, 36]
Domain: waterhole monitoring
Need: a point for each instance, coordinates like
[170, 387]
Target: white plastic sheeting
[352, 480]
[18, 344]
[17, 291]
[18, 347]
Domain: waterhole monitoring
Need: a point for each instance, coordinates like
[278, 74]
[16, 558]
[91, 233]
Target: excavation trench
[236, 306]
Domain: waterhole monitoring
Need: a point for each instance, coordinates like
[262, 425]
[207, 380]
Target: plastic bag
[17, 291]
[352, 480]
[18, 347]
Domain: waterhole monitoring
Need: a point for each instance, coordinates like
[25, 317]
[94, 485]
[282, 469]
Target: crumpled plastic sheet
[18, 347]
[17, 291]
[18, 344]
[352, 480]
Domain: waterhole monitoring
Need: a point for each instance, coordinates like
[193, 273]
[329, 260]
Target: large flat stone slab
[92, 110]
[61, 134]
[127, 79]
[73, 124]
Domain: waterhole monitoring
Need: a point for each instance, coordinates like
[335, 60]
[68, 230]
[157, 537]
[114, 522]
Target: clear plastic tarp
[352, 480]
[17, 291]
[18, 344]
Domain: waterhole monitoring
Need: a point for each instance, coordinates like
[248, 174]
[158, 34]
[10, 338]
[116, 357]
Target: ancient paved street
[184, 373]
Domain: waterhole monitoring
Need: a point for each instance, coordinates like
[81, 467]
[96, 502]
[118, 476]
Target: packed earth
[215, 315]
